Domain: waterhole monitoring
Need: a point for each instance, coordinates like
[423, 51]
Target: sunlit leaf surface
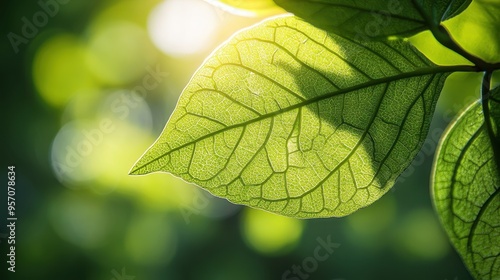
[466, 192]
[296, 121]
[475, 26]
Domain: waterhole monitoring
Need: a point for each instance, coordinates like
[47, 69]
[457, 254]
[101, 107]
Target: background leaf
[478, 24]
[366, 20]
[250, 8]
[291, 119]
[466, 187]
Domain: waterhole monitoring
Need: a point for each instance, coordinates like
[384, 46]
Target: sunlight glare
[182, 27]
[57, 80]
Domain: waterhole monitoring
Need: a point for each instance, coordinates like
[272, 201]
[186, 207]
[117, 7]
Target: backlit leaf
[478, 24]
[466, 188]
[374, 19]
[250, 8]
[288, 118]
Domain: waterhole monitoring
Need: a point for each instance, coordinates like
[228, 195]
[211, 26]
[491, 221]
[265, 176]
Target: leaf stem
[485, 97]
[444, 37]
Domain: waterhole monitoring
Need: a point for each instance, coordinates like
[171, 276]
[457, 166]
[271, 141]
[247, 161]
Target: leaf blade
[250, 8]
[466, 192]
[269, 123]
[374, 20]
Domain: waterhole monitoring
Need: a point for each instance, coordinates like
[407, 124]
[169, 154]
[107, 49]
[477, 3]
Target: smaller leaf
[370, 19]
[479, 23]
[466, 189]
[249, 8]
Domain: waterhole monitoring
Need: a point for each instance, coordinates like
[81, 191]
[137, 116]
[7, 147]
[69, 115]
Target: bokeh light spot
[72, 149]
[420, 236]
[119, 52]
[79, 219]
[182, 27]
[59, 70]
[270, 233]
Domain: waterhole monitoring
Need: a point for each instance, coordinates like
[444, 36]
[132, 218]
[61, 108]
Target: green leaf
[479, 23]
[373, 19]
[250, 8]
[466, 189]
[288, 118]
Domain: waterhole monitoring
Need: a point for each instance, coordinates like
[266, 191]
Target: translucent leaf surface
[288, 118]
[480, 23]
[374, 19]
[249, 8]
[466, 188]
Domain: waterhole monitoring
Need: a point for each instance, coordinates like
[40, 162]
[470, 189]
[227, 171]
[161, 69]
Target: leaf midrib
[375, 82]
[346, 159]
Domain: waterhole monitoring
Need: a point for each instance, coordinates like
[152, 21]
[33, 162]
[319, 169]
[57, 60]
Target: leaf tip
[135, 170]
[138, 168]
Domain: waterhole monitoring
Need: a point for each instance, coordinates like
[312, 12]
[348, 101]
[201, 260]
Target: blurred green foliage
[91, 90]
